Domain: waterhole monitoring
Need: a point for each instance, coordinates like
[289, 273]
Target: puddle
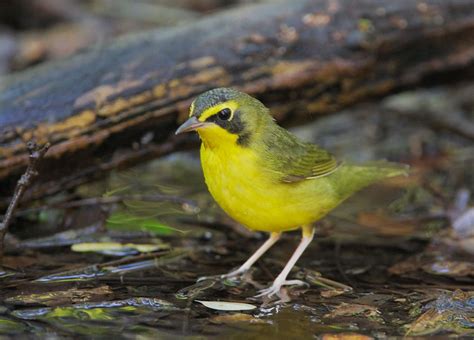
[386, 264]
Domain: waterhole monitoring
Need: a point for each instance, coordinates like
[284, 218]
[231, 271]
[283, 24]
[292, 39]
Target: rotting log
[113, 106]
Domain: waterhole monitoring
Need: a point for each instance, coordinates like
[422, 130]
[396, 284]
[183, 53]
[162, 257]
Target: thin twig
[97, 201]
[36, 155]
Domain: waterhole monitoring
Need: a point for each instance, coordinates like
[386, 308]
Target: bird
[267, 179]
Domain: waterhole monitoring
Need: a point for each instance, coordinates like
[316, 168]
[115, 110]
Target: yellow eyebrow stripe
[231, 104]
[191, 109]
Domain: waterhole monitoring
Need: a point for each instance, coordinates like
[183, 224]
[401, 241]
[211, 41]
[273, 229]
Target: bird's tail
[354, 177]
[386, 169]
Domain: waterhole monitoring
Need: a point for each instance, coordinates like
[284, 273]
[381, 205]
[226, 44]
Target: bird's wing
[290, 160]
[310, 162]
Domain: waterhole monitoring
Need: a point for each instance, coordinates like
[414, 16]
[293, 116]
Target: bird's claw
[275, 288]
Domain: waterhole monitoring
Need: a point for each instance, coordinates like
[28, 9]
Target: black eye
[224, 114]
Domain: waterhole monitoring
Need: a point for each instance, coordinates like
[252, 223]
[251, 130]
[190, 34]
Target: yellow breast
[244, 190]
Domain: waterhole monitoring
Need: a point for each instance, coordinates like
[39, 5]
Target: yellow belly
[249, 194]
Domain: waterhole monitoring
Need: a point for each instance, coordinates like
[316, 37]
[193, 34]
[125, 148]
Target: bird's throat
[217, 137]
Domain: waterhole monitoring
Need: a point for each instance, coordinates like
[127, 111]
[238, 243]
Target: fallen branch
[118, 105]
[36, 155]
[187, 204]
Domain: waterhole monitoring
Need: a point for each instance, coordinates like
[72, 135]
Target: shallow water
[386, 263]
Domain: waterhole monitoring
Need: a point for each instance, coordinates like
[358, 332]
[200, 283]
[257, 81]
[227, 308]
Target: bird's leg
[308, 234]
[274, 237]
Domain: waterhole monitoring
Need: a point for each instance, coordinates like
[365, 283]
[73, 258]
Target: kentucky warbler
[267, 179]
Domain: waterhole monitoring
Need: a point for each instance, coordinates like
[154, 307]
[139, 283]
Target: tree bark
[116, 105]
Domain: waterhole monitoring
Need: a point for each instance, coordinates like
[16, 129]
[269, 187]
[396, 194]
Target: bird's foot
[275, 288]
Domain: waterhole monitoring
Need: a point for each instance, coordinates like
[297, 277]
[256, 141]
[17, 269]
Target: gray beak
[190, 125]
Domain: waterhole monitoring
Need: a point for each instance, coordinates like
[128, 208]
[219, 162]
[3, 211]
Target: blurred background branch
[303, 58]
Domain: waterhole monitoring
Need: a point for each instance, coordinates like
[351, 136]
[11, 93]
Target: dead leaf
[328, 293]
[345, 309]
[226, 305]
[112, 248]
